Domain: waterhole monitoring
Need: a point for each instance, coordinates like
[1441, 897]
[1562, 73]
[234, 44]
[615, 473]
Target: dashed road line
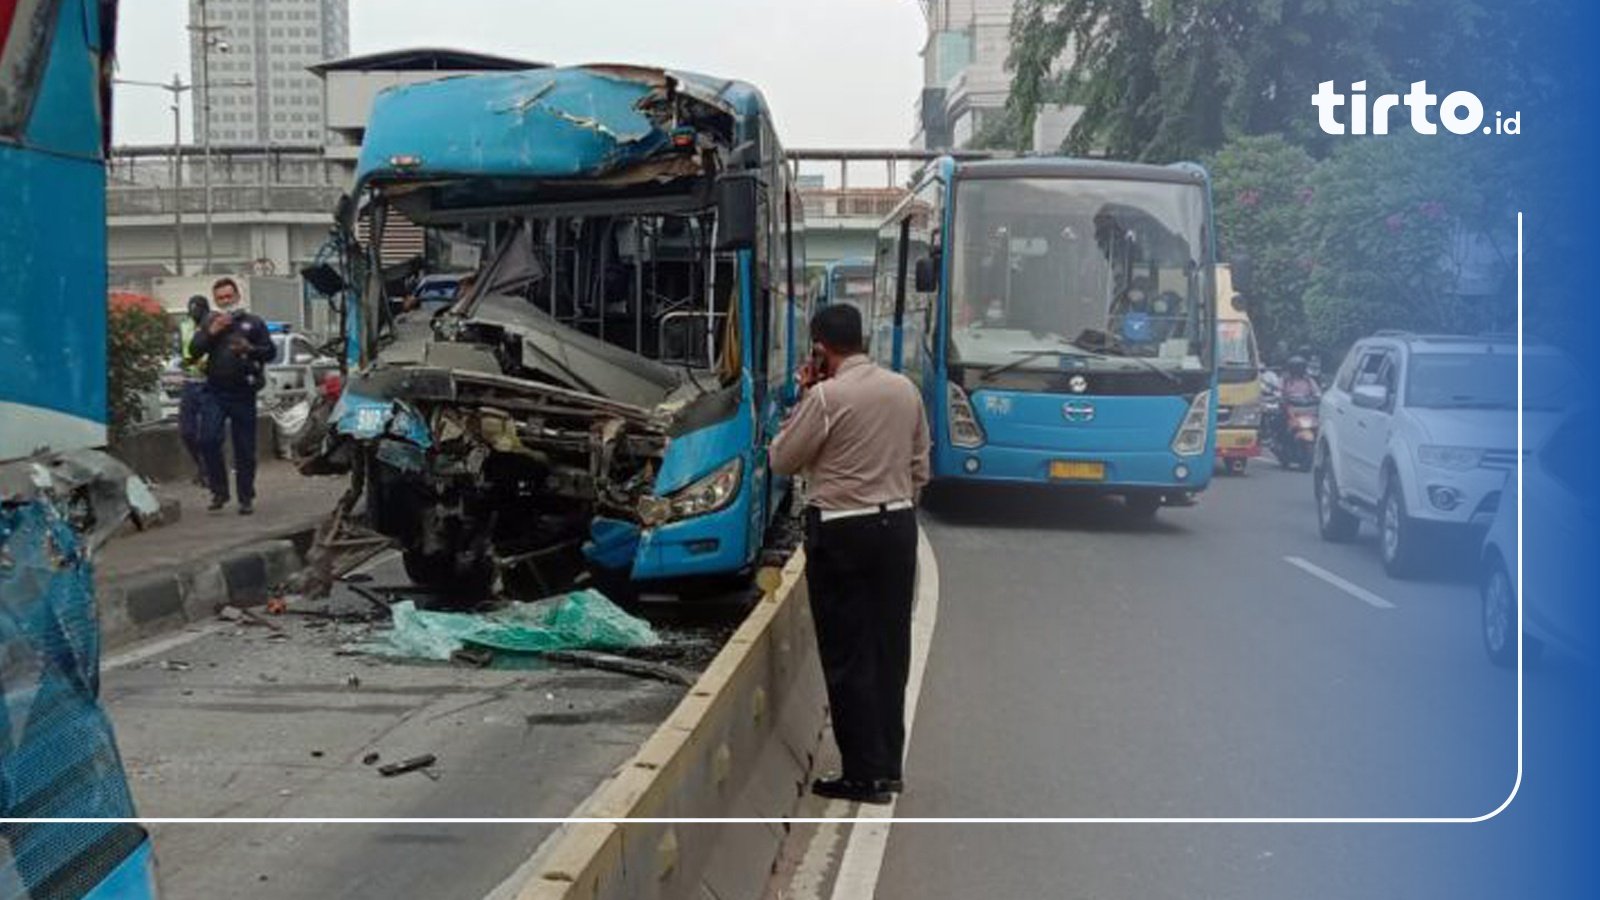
[1354, 590]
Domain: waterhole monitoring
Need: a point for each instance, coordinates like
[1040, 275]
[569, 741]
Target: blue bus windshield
[1113, 268]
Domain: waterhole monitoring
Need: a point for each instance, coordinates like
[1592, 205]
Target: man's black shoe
[852, 790]
[217, 503]
[246, 507]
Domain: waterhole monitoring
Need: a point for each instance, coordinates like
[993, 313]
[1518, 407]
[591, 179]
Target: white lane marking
[810, 878]
[863, 855]
[1354, 590]
[159, 646]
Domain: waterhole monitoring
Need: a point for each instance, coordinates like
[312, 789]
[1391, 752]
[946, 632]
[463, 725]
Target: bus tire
[1142, 506]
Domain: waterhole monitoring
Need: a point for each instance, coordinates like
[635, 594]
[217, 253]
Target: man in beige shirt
[860, 436]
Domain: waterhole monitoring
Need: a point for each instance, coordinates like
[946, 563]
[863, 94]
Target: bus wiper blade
[1123, 354]
[1027, 356]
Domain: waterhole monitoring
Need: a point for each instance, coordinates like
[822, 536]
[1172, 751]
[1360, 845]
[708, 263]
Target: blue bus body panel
[1026, 432]
[538, 124]
[681, 548]
[135, 879]
[52, 378]
[1029, 421]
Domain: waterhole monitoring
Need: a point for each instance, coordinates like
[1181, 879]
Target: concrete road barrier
[146, 605]
[741, 744]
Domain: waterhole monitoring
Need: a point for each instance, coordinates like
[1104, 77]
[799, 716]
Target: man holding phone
[236, 346]
[860, 435]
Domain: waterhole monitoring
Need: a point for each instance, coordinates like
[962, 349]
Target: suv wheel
[1499, 614]
[1334, 522]
[1397, 533]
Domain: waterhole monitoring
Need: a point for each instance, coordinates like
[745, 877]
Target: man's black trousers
[235, 413]
[862, 575]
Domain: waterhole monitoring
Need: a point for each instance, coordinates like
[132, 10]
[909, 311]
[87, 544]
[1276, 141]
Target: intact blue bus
[1059, 316]
[58, 756]
[618, 365]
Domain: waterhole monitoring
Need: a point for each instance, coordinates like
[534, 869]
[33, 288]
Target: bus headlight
[965, 432]
[709, 494]
[1191, 437]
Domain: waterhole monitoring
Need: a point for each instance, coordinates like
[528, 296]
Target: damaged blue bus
[1060, 318]
[59, 497]
[612, 374]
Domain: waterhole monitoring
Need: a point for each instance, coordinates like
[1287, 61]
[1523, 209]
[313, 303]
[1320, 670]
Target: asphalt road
[244, 720]
[1086, 665]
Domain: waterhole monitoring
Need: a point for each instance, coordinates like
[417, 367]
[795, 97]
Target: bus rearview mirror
[737, 202]
[927, 275]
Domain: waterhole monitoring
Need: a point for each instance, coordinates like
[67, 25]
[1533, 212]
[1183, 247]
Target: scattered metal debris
[409, 765]
[622, 664]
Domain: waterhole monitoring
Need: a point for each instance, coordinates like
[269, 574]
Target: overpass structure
[271, 207]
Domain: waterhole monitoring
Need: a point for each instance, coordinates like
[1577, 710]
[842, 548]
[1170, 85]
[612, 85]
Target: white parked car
[1558, 553]
[1419, 431]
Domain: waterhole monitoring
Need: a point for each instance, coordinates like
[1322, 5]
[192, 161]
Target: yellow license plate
[1078, 471]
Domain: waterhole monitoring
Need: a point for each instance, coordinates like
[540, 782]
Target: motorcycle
[1290, 430]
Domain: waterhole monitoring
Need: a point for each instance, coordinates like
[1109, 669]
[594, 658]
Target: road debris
[408, 765]
[175, 665]
[371, 759]
[277, 606]
[623, 665]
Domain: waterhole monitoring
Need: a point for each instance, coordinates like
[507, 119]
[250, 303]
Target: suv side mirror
[1370, 396]
[926, 277]
[737, 202]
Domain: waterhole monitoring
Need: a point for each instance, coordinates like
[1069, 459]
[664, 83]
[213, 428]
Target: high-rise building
[965, 79]
[254, 55]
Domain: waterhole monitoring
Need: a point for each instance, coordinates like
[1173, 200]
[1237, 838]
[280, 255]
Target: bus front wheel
[1142, 506]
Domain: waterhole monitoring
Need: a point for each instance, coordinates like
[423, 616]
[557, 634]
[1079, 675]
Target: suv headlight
[965, 432]
[1457, 458]
[1191, 437]
[707, 495]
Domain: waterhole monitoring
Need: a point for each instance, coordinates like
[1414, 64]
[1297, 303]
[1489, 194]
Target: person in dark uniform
[237, 347]
[860, 436]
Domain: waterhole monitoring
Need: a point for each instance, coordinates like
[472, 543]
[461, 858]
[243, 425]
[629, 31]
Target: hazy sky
[836, 72]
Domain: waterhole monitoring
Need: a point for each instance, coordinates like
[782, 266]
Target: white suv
[1419, 431]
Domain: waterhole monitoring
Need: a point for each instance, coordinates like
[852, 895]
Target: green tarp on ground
[580, 620]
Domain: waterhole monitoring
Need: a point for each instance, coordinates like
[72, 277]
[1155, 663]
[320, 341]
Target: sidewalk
[151, 581]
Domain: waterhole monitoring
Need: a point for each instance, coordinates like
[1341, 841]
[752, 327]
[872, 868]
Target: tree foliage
[1161, 80]
[1393, 231]
[139, 338]
[1262, 187]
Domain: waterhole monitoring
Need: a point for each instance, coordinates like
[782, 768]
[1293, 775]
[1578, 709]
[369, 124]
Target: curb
[740, 744]
[153, 603]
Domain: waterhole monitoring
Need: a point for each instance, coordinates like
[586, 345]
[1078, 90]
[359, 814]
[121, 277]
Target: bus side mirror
[737, 202]
[927, 275]
[1244, 270]
[1240, 303]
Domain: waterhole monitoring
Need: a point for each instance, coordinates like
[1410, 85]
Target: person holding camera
[237, 347]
